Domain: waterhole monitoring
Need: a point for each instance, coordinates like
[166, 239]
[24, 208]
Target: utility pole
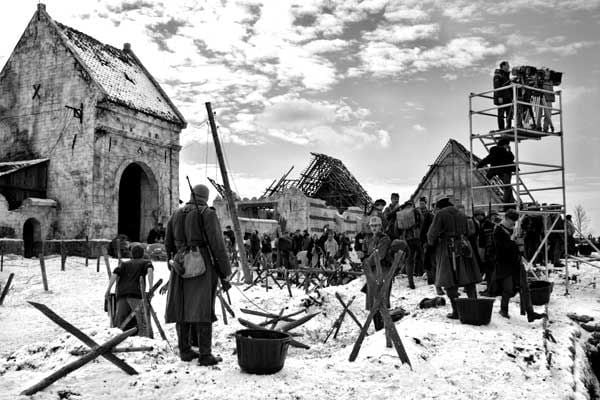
[229, 197]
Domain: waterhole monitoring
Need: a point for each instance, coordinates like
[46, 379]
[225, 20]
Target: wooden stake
[158, 326]
[229, 197]
[6, 288]
[43, 267]
[146, 313]
[87, 250]
[106, 262]
[63, 256]
[149, 297]
[1, 256]
[98, 264]
[67, 369]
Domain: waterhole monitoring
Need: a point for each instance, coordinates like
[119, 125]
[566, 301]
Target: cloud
[127, 6]
[301, 121]
[419, 128]
[327, 46]
[399, 13]
[402, 33]
[382, 59]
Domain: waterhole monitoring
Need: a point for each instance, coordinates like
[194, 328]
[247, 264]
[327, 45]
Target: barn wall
[451, 175]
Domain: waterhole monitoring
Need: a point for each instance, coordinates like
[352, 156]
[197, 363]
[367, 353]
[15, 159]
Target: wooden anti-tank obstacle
[380, 285]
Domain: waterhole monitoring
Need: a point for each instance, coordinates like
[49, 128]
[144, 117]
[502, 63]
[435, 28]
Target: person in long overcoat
[379, 241]
[508, 259]
[449, 226]
[191, 301]
[511, 276]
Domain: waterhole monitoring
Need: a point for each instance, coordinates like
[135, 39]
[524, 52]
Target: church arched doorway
[32, 238]
[138, 202]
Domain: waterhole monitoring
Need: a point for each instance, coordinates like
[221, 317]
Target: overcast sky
[380, 84]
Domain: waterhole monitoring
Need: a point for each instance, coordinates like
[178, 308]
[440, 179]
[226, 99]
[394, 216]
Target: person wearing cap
[389, 216]
[501, 161]
[191, 301]
[456, 265]
[510, 273]
[381, 242]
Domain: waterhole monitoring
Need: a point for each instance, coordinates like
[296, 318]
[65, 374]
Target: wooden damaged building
[450, 174]
[90, 141]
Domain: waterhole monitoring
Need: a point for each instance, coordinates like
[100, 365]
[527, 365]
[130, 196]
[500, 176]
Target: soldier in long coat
[381, 242]
[452, 269]
[191, 301]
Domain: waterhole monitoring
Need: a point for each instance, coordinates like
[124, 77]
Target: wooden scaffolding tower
[538, 109]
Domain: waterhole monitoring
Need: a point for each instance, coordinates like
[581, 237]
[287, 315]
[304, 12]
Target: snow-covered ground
[505, 360]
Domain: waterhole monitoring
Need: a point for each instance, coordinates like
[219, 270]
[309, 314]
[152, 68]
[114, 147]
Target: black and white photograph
[300, 199]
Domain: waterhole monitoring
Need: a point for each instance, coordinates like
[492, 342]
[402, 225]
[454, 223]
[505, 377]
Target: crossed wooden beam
[273, 319]
[340, 320]
[380, 284]
[105, 350]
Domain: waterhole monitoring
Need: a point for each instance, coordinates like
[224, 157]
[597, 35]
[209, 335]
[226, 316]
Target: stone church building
[89, 142]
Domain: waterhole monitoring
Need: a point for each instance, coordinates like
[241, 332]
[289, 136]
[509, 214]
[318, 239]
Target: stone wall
[37, 84]
[43, 210]
[39, 81]
[124, 137]
[300, 212]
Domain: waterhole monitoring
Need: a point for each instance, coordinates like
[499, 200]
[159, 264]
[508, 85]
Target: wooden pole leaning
[6, 288]
[229, 196]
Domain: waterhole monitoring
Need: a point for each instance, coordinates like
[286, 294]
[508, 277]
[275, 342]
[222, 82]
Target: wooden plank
[145, 312]
[6, 288]
[293, 342]
[67, 369]
[297, 323]
[115, 350]
[81, 336]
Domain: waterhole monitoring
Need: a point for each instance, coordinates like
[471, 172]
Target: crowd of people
[442, 245]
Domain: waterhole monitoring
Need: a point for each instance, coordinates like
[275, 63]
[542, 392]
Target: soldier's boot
[183, 341]
[205, 346]
[454, 313]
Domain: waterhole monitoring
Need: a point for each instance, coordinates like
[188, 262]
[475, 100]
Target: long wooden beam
[229, 196]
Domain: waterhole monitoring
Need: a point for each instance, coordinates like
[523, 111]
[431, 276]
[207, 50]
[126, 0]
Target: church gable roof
[121, 75]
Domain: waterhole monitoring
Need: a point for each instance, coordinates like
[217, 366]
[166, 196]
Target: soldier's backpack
[406, 219]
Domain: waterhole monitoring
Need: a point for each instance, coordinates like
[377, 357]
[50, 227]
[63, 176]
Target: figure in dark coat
[503, 97]
[191, 301]
[501, 161]
[381, 242]
[510, 274]
[453, 268]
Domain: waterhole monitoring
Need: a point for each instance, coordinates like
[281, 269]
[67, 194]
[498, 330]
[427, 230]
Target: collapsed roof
[328, 179]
